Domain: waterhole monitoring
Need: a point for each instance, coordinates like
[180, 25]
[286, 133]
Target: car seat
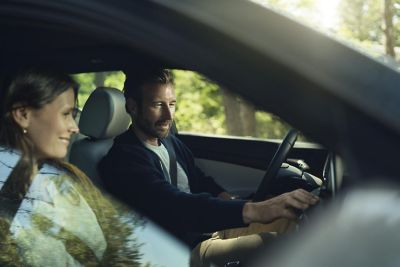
[103, 117]
[75, 137]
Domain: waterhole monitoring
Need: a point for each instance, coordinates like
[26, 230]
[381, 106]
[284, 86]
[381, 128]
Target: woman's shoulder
[9, 158]
[52, 169]
[52, 180]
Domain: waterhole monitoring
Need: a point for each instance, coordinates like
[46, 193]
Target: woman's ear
[131, 107]
[21, 116]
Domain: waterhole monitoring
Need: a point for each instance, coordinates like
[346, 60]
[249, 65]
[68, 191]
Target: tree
[389, 29]
[396, 22]
[232, 113]
[199, 107]
[248, 116]
[240, 119]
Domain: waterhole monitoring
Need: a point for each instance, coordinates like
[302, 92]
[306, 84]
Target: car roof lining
[77, 53]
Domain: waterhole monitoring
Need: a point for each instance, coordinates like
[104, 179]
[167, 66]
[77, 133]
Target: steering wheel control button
[285, 165]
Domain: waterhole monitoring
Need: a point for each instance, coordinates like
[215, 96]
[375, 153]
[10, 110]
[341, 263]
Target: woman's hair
[32, 88]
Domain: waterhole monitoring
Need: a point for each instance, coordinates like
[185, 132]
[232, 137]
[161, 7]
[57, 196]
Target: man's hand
[282, 206]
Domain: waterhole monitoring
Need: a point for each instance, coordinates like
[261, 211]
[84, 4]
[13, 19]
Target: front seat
[103, 117]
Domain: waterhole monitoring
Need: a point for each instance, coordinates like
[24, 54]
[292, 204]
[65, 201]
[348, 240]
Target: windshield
[369, 26]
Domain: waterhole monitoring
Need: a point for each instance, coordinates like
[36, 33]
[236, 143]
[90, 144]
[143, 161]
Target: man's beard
[150, 129]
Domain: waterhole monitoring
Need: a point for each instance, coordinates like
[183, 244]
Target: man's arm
[282, 206]
[134, 177]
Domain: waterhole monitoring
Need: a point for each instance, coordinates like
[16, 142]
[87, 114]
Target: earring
[24, 131]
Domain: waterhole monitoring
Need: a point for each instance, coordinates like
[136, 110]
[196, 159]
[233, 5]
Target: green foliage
[361, 20]
[270, 126]
[360, 23]
[201, 109]
[396, 22]
[115, 79]
[199, 106]
[87, 82]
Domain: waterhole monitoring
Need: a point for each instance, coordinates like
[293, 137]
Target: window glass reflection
[63, 222]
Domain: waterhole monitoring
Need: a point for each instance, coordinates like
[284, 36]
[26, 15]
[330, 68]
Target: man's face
[154, 117]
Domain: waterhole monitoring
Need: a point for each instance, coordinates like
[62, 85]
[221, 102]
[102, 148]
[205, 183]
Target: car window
[90, 81]
[128, 237]
[150, 244]
[204, 107]
[158, 248]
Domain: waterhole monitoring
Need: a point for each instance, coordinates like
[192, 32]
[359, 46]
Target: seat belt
[10, 202]
[173, 172]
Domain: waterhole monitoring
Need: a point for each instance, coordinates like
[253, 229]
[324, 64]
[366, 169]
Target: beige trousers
[237, 245]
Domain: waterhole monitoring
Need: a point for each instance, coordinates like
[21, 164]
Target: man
[138, 169]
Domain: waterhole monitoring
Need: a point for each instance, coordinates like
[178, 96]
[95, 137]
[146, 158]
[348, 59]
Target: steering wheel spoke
[265, 187]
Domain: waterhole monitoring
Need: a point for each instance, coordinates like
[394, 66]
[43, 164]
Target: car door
[239, 164]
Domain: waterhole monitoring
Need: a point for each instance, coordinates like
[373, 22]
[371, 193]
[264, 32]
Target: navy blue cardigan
[133, 173]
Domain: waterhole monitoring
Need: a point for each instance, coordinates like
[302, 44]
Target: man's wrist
[248, 212]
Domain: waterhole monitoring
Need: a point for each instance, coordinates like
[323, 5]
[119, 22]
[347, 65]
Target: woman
[51, 214]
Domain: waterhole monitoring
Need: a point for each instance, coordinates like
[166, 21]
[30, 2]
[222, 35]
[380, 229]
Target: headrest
[104, 115]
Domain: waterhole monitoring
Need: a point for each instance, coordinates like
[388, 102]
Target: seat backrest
[74, 137]
[103, 117]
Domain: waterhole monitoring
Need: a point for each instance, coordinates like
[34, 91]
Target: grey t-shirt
[162, 153]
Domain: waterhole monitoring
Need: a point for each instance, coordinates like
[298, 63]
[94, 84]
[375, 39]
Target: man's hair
[133, 87]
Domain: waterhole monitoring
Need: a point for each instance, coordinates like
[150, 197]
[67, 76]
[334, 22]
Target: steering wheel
[264, 189]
